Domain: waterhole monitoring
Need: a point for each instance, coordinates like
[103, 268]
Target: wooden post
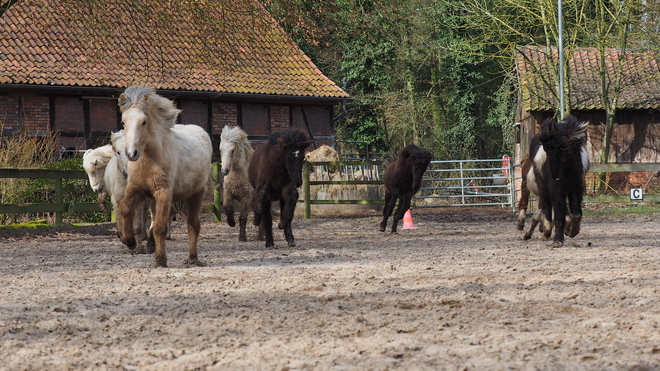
[58, 200]
[217, 197]
[308, 207]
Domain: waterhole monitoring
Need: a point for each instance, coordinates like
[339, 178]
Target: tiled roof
[248, 53]
[640, 82]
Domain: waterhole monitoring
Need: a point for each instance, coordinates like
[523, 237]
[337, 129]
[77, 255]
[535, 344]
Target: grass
[621, 209]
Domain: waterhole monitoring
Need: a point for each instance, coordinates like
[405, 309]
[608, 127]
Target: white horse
[169, 165]
[95, 162]
[115, 179]
[235, 155]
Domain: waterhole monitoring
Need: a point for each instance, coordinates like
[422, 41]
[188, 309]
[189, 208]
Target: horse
[168, 165]
[559, 167]
[115, 180]
[275, 173]
[402, 179]
[529, 187]
[235, 154]
[95, 162]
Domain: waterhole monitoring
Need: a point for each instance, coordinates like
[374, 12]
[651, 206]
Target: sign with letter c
[636, 194]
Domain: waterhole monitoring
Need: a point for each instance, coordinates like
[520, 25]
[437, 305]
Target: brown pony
[275, 172]
[402, 179]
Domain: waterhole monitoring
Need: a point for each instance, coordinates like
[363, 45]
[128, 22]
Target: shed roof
[640, 78]
[237, 50]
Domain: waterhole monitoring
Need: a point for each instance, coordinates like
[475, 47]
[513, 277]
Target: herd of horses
[154, 166]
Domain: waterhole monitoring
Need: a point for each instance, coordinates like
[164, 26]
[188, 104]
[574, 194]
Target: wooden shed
[636, 134]
[62, 69]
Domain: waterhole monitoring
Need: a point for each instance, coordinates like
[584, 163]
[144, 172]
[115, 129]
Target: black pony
[402, 179]
[275, 172]
[559, 166]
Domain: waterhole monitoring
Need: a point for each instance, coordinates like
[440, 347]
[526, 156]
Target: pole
[561, 60]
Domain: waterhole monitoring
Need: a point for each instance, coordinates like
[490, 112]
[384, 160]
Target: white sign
[636, 194]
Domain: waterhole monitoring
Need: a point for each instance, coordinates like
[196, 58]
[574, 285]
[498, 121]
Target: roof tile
[259, 59]
[640, 81]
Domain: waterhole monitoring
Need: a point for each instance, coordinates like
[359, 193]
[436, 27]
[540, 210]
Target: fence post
[308, 207]
[217, 197]
[58, 200]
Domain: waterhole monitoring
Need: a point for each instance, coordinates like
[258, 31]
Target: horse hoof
[130, 242]
[527, 237]
[292, 243]
[151, 246]
[242, 239]
[161, 264]
[194, 262]
[521, 226]
[270, 244]
[138, 250]
[230, 221]
[556, 244]
[281, 225]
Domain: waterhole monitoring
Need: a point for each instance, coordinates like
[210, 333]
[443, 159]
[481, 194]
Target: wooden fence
[61, 206]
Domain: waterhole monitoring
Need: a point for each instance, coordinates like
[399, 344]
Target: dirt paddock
[462, 292]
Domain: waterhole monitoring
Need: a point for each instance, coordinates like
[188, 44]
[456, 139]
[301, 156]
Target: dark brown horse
[402, 179]
[559, 167]
[275, 172]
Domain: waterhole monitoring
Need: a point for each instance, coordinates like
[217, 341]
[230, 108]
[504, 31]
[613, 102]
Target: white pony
[169, 165]
[235, 154]
[95, 162]
[116, 175]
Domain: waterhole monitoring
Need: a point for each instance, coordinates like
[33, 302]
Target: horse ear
[281, 142]
[122, 99]
[307, 143]
[145, 97]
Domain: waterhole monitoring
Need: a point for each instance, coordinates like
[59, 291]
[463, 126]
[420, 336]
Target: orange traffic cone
[407, 221]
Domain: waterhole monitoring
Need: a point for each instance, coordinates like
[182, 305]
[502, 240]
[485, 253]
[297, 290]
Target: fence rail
[447, 183]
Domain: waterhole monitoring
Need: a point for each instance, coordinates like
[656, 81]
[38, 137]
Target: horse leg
[546, 205]
[559, 208]
[287, 209]
[242, 220]
[194, 208]
[575, 203]
[522, 204]
[163, 199]
[228, 206]
[267, 223]
[390, 201]
[151, 242]
[140, 226]
[127, 215]
[404, 205]
[538, 214]
[259, 201]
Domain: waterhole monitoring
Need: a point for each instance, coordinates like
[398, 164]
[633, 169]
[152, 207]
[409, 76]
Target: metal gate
[467, 183]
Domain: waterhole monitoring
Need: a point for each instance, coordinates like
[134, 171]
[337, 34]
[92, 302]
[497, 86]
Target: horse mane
[236, 135]
[102, 154]
[117, 138]
[567, 135]
[152, 104]
[290, 138]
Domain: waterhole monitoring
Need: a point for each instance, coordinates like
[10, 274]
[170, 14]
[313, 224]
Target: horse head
[230, 147]
[562, 141]
[292, 144]
[418, 159]
[118, 141]
[94, 162]
[146, 117]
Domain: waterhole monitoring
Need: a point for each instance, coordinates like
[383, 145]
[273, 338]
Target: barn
[636, 133]
[63, 68]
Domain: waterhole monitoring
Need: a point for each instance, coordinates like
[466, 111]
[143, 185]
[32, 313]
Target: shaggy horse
[559, 167]
[168, 165]
[95, 162]
[115, 180]
[235, 154]
[402, 179]
[275, 172]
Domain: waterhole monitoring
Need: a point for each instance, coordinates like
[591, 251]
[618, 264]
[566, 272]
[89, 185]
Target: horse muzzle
[98, 189]
[132, 155]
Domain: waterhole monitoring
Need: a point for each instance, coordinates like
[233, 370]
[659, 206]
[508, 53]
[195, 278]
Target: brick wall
[280, 118]
[103, 115]
[224, 114]
[69, 115]
[37, 115]
[9, 112]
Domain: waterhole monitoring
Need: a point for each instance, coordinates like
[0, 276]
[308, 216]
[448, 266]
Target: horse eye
[233, 150]
[144, 123]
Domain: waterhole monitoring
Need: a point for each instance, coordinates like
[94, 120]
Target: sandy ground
[462, 292]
